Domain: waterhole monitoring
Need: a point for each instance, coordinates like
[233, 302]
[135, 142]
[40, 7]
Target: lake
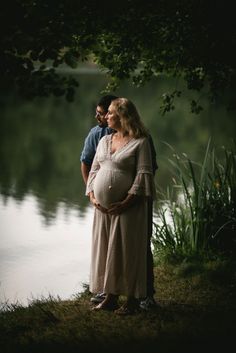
[45, 217]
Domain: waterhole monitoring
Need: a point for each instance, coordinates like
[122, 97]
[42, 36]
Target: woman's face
[113, 120]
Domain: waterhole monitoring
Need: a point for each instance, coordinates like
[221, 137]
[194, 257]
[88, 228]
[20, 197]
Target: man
[95, 134]
[149, 302]
[87, 155]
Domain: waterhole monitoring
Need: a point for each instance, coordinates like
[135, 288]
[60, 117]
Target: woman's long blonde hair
[129, 118]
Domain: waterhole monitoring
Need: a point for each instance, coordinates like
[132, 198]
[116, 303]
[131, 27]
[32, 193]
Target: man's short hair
[105, 101]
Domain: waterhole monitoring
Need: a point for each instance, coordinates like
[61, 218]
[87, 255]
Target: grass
[197, 213]
[197, 307]
[195, 287]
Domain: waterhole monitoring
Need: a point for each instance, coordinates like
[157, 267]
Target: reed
[196, 215]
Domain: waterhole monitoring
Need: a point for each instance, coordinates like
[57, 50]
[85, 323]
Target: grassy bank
[197, 307]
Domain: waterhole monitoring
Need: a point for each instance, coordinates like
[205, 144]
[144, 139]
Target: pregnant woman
[119, 185]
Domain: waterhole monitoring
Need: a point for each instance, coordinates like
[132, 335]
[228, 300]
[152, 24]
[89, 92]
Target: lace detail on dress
[119, 149]
[89, 186]
[92, 174]
[145, 170]
[143, 185]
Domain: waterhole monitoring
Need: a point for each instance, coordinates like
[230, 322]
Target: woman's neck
[121, 134]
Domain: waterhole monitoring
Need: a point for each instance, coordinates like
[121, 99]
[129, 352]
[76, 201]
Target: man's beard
[101, 124]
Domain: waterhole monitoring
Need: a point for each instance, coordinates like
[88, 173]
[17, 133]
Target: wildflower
[217, 184]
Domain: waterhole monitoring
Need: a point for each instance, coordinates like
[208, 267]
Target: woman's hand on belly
[96, 204]
[117, 208]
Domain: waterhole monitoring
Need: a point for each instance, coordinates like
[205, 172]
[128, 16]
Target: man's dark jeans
[150, 274]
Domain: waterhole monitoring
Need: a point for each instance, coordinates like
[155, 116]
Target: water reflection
[37, 261]
[41, 183]
[41, 140]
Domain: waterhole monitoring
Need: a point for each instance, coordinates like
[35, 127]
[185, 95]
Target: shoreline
[194, 312]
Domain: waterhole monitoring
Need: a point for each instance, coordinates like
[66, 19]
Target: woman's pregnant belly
[111, 186]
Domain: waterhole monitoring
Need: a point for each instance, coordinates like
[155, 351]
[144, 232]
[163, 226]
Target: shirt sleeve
[89, 149]
[144, 181]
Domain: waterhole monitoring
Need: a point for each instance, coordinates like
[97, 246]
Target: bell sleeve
[143, 184]
[92, 174]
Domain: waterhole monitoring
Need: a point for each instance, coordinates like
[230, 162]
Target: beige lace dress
[119, 242]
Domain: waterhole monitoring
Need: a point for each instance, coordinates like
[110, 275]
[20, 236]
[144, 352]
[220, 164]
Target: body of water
[45, 218]
[39, 260]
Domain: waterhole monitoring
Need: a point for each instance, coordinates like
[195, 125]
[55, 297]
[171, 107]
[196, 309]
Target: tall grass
[197, 213]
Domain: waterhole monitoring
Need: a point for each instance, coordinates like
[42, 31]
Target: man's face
[101, 116]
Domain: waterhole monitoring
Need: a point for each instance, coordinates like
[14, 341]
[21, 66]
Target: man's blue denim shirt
[91, 142]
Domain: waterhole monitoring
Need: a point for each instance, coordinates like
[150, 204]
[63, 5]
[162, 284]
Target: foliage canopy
[190, 39]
